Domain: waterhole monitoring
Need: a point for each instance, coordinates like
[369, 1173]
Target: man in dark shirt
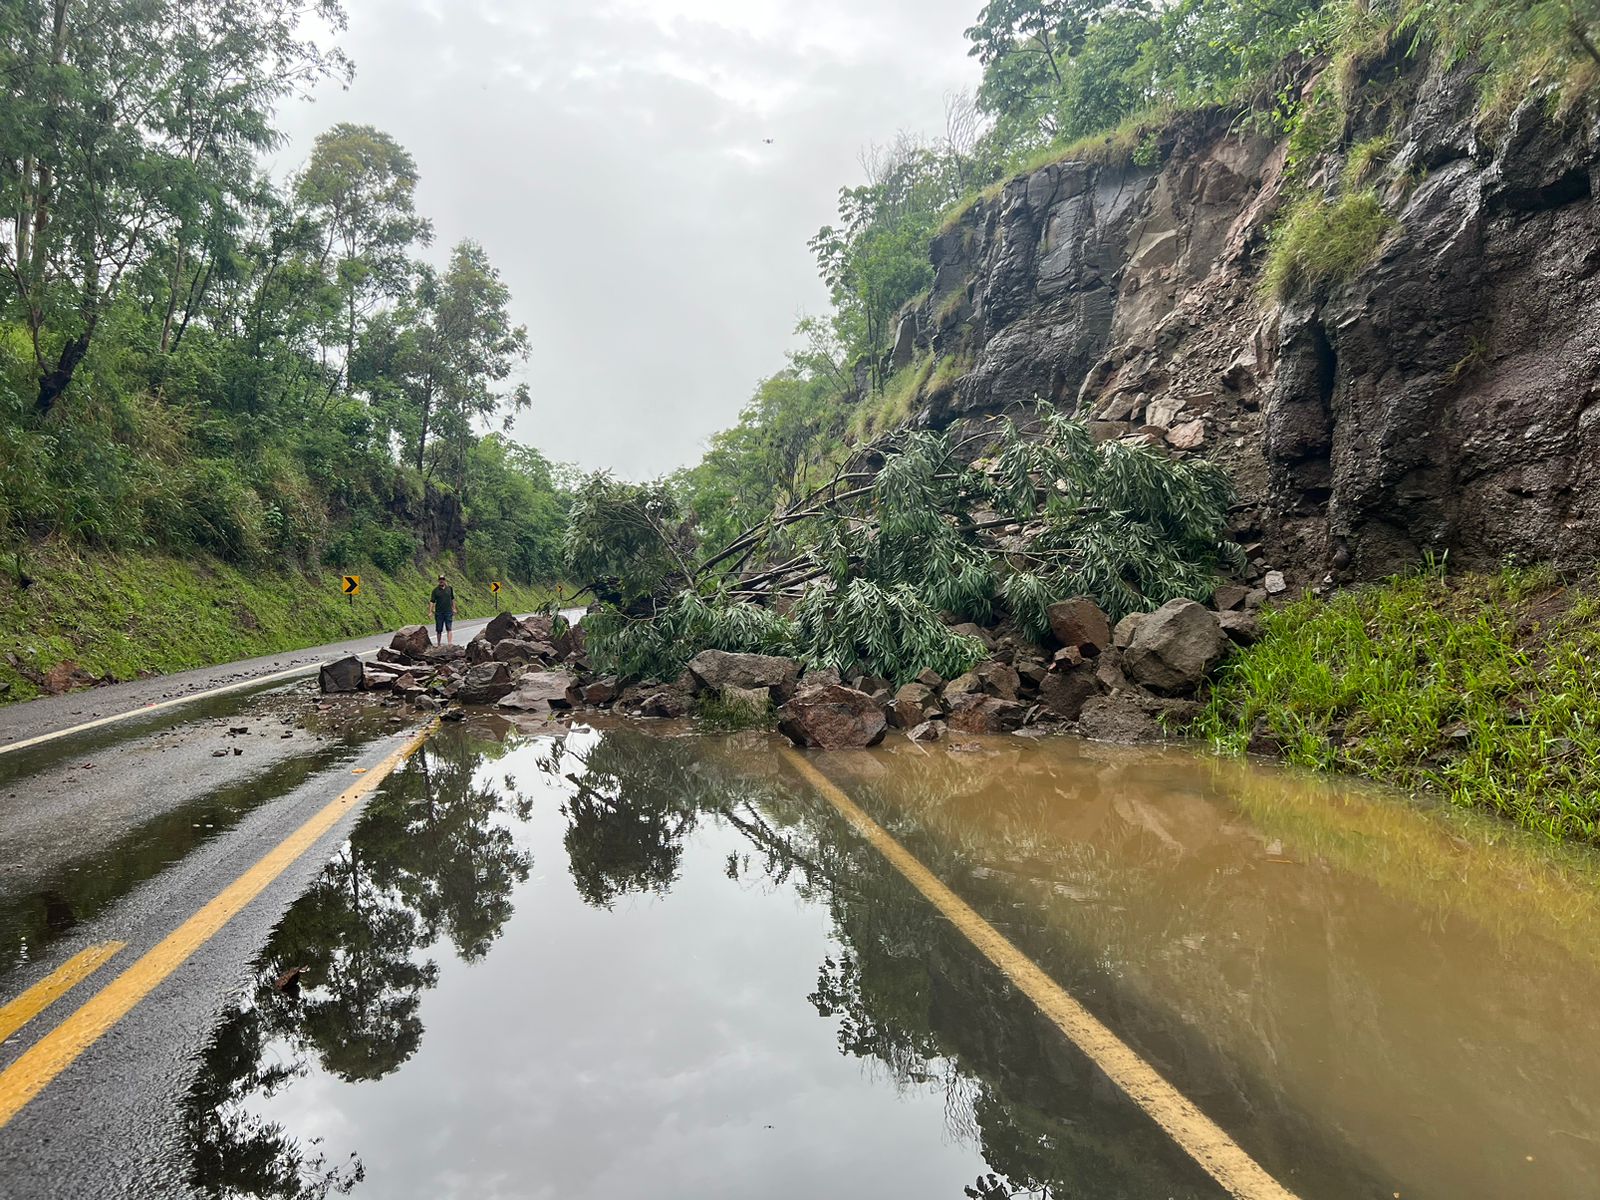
[442, 606]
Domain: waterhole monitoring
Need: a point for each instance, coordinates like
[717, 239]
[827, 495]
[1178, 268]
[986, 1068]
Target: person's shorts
[442, 622]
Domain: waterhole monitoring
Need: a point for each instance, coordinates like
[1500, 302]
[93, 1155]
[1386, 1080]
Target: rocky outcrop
[1443, 400]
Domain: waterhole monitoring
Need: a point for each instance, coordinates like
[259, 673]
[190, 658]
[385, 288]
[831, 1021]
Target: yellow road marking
[56, 1050]
[53, 986]
[1199, 1136]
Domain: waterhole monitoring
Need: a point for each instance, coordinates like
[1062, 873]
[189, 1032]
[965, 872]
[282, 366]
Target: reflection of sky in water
[643, 1051]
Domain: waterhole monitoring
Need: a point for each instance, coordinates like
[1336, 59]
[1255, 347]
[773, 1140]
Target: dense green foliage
[869, 575]
[194, 358]
[1482, 689]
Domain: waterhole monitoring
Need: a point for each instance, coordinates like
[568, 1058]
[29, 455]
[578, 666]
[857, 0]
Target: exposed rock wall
[1448, 399]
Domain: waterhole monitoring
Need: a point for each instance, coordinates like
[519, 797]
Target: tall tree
[122, 123]
[463, 349]
[361, 183]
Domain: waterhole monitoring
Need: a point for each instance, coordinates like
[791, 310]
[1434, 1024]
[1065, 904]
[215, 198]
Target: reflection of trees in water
[906, 991]
[634, 799]
[430, 859]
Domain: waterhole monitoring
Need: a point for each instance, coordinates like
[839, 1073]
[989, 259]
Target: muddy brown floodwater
[617, 964]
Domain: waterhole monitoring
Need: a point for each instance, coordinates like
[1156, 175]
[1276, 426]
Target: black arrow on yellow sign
[350, 585]
[495, 588]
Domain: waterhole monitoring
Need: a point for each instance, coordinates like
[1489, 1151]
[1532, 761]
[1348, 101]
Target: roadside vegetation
[201, 361]
[107, 615]
[1482, 689]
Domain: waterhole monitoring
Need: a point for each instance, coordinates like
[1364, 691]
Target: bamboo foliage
[869, 577]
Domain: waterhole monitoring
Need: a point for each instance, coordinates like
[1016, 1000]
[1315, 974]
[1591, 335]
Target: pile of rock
[1131, 683]
[531, 663]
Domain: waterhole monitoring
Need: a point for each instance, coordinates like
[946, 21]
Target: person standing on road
[442, 607]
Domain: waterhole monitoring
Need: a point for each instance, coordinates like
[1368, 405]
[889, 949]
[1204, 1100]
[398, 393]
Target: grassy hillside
[122, 615]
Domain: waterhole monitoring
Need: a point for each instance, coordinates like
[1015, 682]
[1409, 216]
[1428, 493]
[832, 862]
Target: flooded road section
[613, 964]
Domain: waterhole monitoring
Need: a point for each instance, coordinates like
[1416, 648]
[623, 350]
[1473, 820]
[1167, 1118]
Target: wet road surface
[52, 714]
[605, 963]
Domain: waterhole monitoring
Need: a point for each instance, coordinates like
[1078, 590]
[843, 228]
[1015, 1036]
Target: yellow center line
[53, 986]
[56, 1050]
[1199, 1136]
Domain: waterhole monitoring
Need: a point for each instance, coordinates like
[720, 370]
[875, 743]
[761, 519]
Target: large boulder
[544, 691]
[501, 626]
[912, 705]
[668, 702]
[1175, 647]
[714, 670]
[600, 691]
[375, 678]
[449, 652]
[962, 685]
[1080, 622]
[1242, 628]
[484, 683]
[342, 675]
[998, 679]
[1064, 693]
[571, 642]
[831, 716]
[514, 650]
[412, 641]
[540, 627]
[975, 713]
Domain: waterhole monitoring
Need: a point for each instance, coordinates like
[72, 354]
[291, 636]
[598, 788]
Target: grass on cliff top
[123, 615]
[1484, 689]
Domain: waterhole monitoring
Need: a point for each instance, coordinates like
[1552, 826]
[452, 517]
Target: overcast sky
[610, 156]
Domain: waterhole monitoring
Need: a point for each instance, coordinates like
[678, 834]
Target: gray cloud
[611, 158]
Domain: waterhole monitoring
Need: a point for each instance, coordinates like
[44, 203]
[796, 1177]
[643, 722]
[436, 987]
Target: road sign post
[350, 585]
[495, 588]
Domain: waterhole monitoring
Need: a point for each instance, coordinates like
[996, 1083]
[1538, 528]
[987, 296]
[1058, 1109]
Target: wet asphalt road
[19, 722]
[121, 833]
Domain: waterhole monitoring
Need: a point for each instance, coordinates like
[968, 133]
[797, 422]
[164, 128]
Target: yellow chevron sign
[350, 585]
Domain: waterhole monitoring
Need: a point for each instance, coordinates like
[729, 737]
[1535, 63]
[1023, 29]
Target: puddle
[49, 891]
[610, 964]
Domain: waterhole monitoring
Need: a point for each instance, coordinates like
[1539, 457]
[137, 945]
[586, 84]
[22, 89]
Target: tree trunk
[427, 411]
[56, 380]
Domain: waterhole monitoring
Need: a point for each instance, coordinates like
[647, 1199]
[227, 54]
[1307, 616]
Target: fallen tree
[874, 572]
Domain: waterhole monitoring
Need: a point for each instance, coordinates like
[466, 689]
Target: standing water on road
[613, 964]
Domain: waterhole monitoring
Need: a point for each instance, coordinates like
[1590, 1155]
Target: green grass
[123, 615]
[891, 408]
[1366, 157]
[1484, 690]
[1318, 244]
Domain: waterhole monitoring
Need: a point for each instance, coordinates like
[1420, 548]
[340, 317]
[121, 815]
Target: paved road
[20, 722]
[121, 832]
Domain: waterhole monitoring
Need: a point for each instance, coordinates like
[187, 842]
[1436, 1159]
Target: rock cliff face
[1447, 399]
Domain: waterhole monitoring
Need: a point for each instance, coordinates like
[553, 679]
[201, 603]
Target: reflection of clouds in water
[644, 1050]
